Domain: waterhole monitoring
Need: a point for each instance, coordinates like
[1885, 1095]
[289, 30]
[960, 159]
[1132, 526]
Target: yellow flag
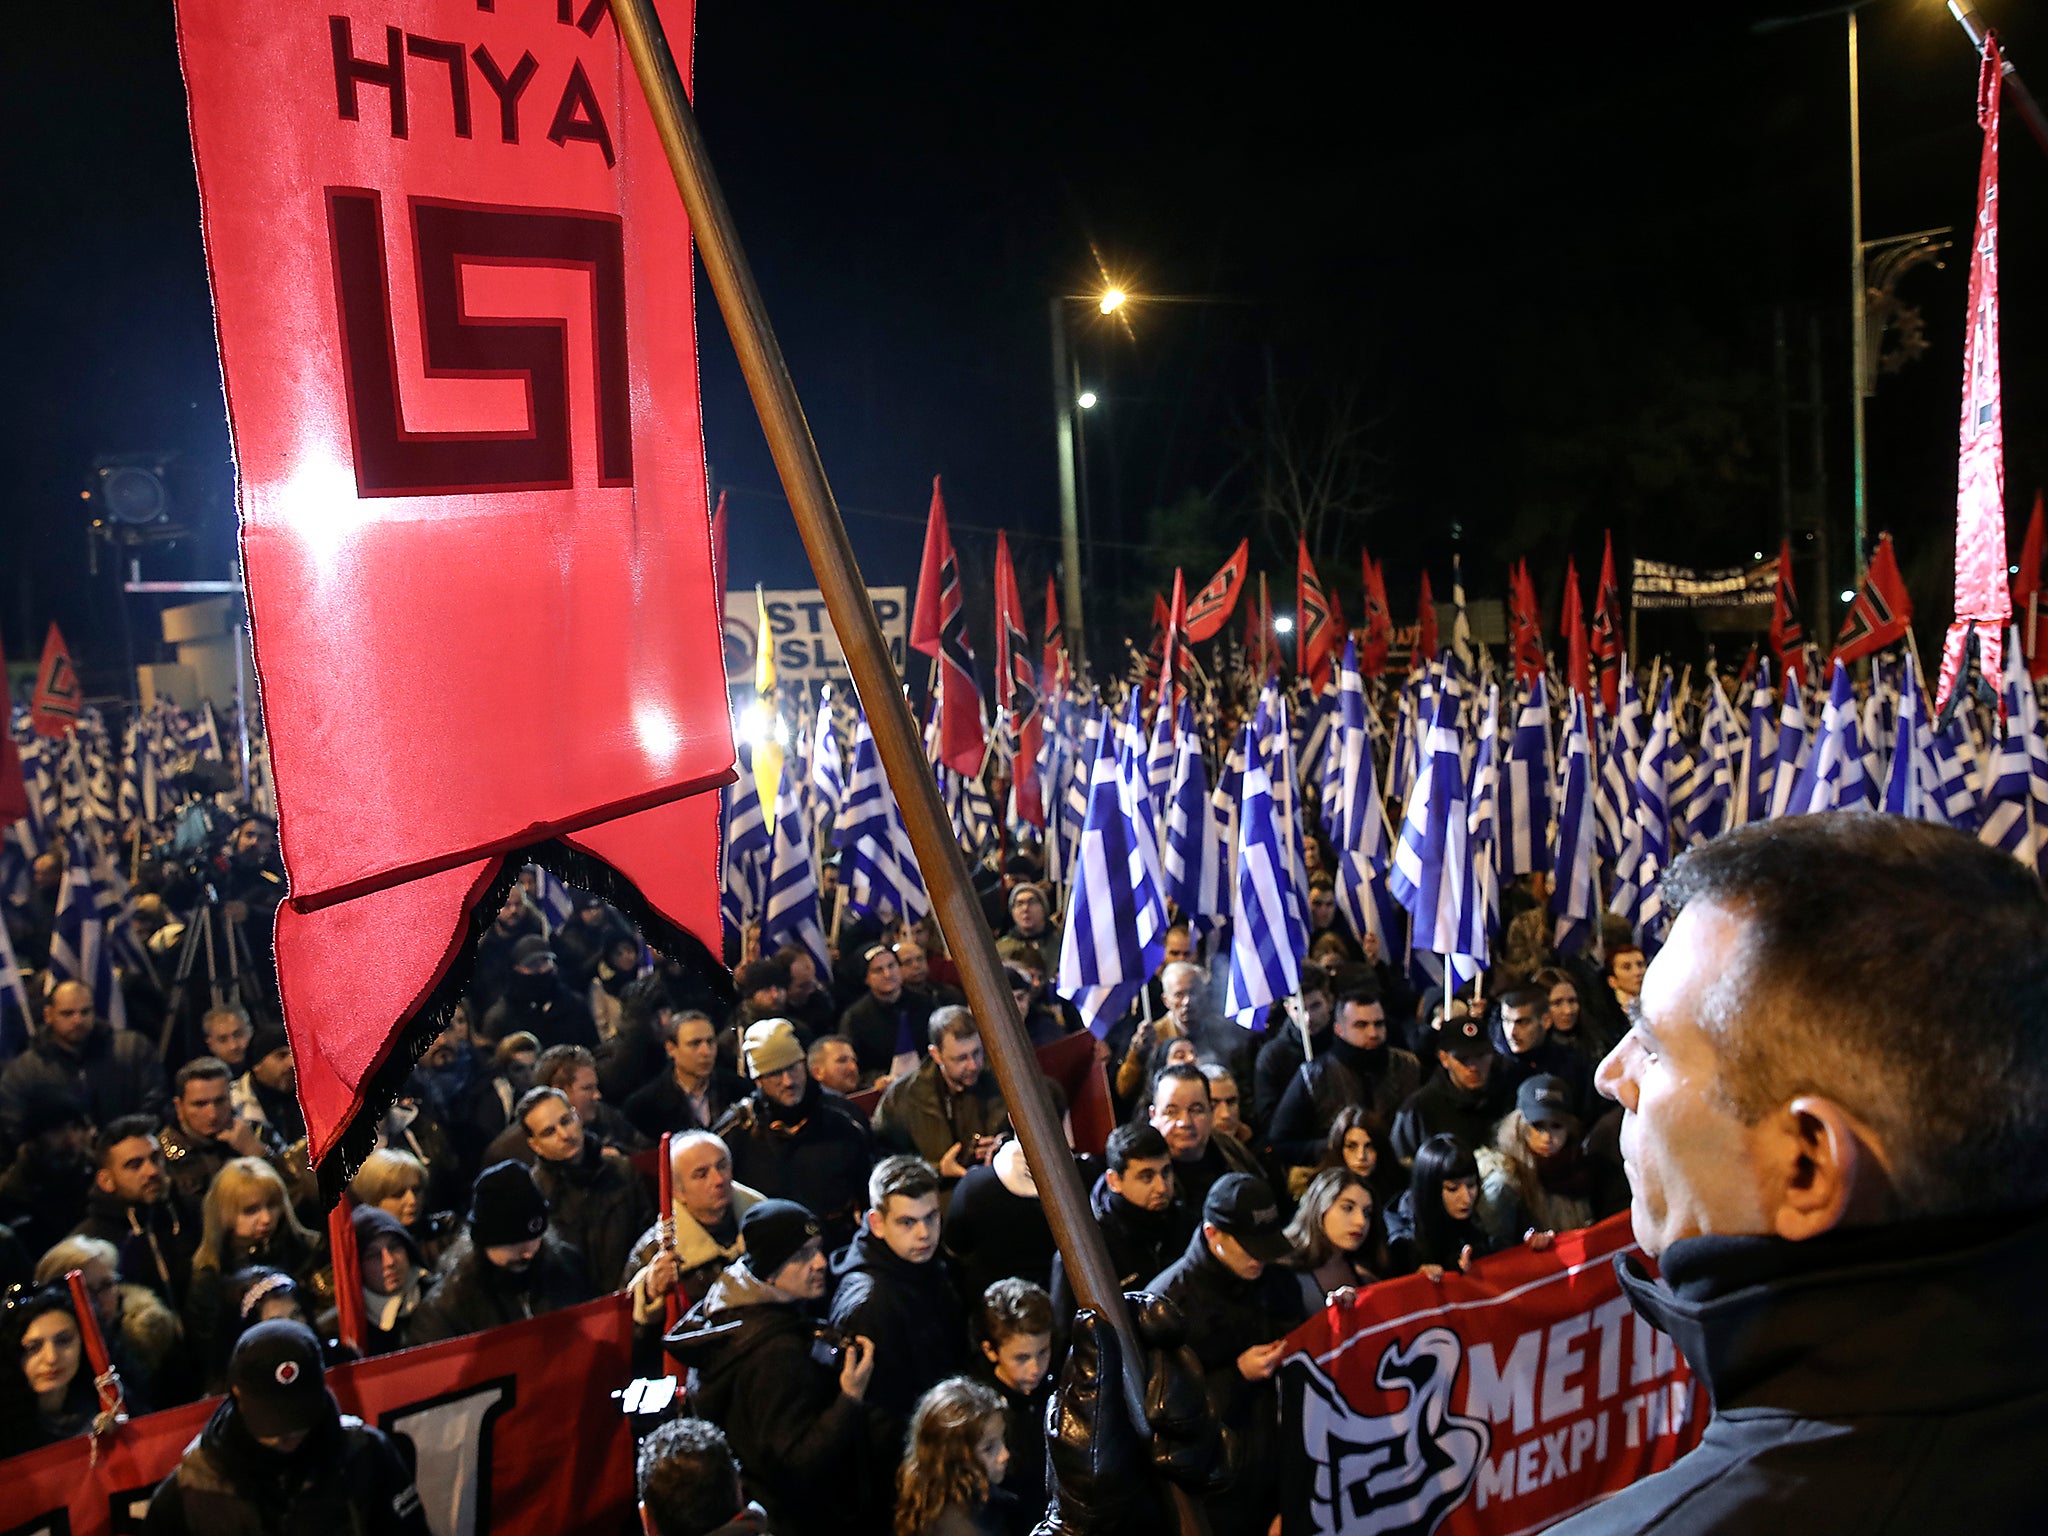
[768, 754]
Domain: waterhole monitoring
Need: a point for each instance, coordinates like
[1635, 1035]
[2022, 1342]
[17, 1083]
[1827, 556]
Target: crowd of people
[873, 1305]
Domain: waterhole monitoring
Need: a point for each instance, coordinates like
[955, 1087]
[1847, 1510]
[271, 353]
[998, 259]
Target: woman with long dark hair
[1434, 1226]
[950, 1481]
[46, 1390]
[1358, 1141]
[1339, 1240]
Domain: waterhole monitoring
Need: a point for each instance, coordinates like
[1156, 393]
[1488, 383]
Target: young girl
[1338, 1242]
[1356, 1142]
[1014, 1329]
[948, 1484]
[248, 1221]
[1431, 1228]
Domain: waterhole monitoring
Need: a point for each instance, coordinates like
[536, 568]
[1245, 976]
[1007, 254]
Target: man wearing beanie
[791, 1139]
[267, 1094]
[812, 1452]
[279, 1454]
[509, 1265]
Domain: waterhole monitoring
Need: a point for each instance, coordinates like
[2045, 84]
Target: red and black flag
[1210, 609]
[938, 628]
[1882, 612]
[1577, 669]
[1057, 671]
[1527, 624]
[1604, 645]
[1425, 629]
[1315, 626]
[1788, 634]
[1015, 675]
[1376, 639]
[55, 706]
[2026, 595]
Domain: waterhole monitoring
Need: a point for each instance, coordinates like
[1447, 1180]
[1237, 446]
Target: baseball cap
[1544, 1098]
[1243, 1207]
[1464, 1038]
[530, 949]
[279, 1384]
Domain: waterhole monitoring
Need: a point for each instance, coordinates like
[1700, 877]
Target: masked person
[508, 1266]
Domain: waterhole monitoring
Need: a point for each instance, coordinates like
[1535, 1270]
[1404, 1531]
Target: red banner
[515, 1431]
[1488, 1404]
[55, 705]
[453, 290]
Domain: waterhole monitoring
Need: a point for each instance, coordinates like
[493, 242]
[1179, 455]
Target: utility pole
[1063, 408]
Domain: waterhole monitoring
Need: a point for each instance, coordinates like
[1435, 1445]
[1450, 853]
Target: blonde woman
[246, 1220]
[396, 1182]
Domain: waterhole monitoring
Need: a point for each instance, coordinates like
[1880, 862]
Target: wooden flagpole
[802, 471]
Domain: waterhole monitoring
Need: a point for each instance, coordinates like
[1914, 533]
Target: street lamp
[1283, 625]
[1111, 301]
[1087, 400]
[1067, 398]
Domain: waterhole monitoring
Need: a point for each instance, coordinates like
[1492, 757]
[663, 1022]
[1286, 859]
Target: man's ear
[873, 1218]
[104, 1180]
[1834, 1173]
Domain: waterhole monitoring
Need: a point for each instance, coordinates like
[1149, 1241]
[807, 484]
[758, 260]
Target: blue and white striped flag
[1614, 798]
[1912, 787]
[827, 776]
[1194, 857]
[2015, 805]
[1116, 916]
[1358, 827]
[1574, 897]
[1702, 798]
[1525, 787]
[1267, 935]
[1752, 791]
[1793, 747]
[790, 915]
[1430, 865]
[1228, 795]
[877, 867]
[1159, 759]
[556, 905]
[1479, 907]
[80, 949]
[743, 881]
[1644, 907]
[1833, 778]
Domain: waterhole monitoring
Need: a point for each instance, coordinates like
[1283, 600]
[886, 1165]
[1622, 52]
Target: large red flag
[1377, 641]
[1788, 634]
[1176, 643]
[1210, 609]
[2026, 594]
[1018, 681]
[1881, 613]
[453, 293]
[1529, 658]
[1315, 628]
[1983, 601]
[938, 627]
[1425, 629]
[1605, 644]
[1577, 668]
[58, 700]
[1053, 659]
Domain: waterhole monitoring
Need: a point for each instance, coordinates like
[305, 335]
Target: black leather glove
[1110, 1476]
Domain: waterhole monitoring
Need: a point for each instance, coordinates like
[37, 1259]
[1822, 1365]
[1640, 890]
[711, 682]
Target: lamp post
[1068, 398]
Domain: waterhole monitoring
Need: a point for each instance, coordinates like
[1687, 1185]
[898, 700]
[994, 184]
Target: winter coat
[661, 1105]
[114, 1072]
[192, 1161]
[816, 1153]
[996, 1226]
[1890, 1378]
[700, 1257]
[1440, 1107]
[558, 1015]
[1379, 1082]
[210, 1326]
[879, 1031]
[920, 1114]
[598, 1205]
[912, 1313]
[155, 1241]
[1406, 1252]
[1141, 1243]
[815, 1459]
[1506, 1216]
[347, 1479]
[473, 1294]
[41, 1203]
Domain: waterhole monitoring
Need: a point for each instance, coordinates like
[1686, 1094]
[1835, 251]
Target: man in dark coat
[132, 1207]
[888, 1024]
[1465, 1099]
[280, 1455]
[811, 1452]
[43, 1195]
[1359, 1068]
[696, 1090]
[112, 1072]
[792, 1140]
[1850, 1244]
[892, 1287]
[1527, 1051]
[597, 1204]
[1142, 1223]
[539, 1002]
[1239, 1306]
[949, 1111]
[506, 1267]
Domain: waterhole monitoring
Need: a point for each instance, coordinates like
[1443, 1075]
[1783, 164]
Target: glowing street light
[1087, 400]
[1111, 301]
[1283, 625]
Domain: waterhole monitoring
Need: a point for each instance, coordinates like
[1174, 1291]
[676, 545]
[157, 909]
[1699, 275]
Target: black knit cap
[506, 1207]
[773, 1232]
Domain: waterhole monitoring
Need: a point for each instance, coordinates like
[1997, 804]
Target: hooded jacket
[815, 1459]
[598, 1205]
[912, 1313]
[1141, 1243]
[1880, 1379]
[817, 1153]
[347, 1479]
[155, 1242]
[1441, 1107]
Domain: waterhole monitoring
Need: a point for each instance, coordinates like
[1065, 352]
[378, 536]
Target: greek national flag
[1701, 797]
[1356, 820]
[1640, 899]
[791, 915]
[1792, 748]
[1116, 915]
[1479, 906]
[79, 944]
[1834, 777]
[827, 779]
[1194, 856]
[877, 867]
[1911, 786]
[1430, 864]
[1268, 935]
[1752, 788]
[1615, 801]
[1573, 897]
[2015, 809]
[1525, 787]
[746, 845]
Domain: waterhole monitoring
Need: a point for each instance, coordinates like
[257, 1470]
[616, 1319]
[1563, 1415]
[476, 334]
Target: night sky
[1541, 255]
